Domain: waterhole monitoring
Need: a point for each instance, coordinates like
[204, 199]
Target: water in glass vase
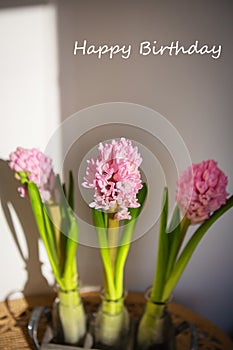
[69, 319]
[112, 325]
[155, 330]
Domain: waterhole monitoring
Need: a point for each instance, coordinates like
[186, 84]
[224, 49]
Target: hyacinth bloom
[201, 190]
[114, 175]
[118, 195]
[202, 197]
[38, 167]
[58, 230]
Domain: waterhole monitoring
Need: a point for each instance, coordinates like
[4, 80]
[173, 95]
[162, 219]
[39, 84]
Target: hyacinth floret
[115, 177]
[201, 190]
[38, 169]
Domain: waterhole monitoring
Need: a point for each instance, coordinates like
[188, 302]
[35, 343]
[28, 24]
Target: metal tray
[47, 343]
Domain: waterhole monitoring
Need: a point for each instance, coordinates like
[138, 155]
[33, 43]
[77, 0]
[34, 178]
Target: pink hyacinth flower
[201, 190]
[39, 168]
[115, 177]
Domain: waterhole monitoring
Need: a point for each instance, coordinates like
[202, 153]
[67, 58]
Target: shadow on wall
[16, 3]
[10, 198]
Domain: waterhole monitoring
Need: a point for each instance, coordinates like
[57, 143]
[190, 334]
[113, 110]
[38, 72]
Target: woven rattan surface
[14, 315]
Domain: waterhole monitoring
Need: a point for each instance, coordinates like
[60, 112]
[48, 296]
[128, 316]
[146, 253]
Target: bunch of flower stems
[114, 252]
[59, 232]
[172, 258]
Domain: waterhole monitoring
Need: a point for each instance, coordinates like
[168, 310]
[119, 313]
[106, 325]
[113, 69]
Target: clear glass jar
[68, 318]
[156, 330]
[112, 324]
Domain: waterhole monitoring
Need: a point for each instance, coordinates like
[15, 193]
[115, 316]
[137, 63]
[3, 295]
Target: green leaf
[175, 220]
[162, 256]
[191, 246]
[68, 237]
[50, 235]
[65, 225]
[105, 218]
[64, 189]
[99, 223]
[38, 210]
[125, 242]
[65, 221]
[173, 240]
[70, 275]
[129, 225]
[71, 190]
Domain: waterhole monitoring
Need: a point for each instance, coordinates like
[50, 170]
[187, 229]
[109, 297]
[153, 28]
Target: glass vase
[112, 324]
[156, 330]
[68, 317]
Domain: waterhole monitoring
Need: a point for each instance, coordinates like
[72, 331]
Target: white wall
[192, 92]
[29, 112]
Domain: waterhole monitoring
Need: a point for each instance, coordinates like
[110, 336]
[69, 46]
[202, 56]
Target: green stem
[126, 239]
[113, 233]
[184, 225]
[68, 237]
[173, 241]
[161, 265]
[104, 251]
[60, 238]
[121, 257]
[50, 234]
[70, 274]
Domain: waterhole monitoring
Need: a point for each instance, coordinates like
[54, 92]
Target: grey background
[192, 92]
